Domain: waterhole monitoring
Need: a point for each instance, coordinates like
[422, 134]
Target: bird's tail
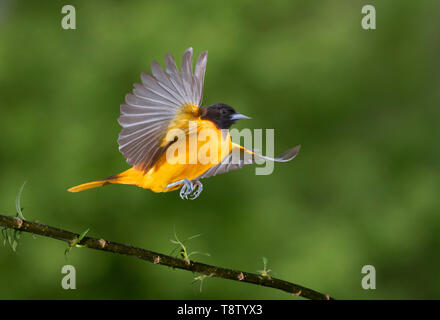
[131, 176]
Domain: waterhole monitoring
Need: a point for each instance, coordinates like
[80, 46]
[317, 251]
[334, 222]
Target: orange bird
[166, 103]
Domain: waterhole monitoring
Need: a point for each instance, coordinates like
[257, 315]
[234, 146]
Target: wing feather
[155, 103]
[175, 78]
[187, 73]
[199, 73]
[242, 156]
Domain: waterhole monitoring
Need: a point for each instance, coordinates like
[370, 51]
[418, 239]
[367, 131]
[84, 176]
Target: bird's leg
[186, 189]
[197, 191]
[191, 189]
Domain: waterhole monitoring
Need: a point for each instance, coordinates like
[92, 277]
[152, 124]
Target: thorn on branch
[102, 243]
[297, 294]
[19, 222]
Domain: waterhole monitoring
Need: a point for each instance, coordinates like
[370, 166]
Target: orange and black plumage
[170, 100]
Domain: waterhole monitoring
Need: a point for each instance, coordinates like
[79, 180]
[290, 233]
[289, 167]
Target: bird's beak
[239, 116]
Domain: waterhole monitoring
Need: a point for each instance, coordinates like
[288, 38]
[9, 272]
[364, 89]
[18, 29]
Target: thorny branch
[72, 239]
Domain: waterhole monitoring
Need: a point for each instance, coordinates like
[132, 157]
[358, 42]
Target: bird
[170, 100]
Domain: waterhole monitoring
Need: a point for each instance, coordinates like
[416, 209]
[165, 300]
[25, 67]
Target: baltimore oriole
[166, 101]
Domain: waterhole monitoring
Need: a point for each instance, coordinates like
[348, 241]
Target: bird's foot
[197, 189]
[186, 189]
[191, 189]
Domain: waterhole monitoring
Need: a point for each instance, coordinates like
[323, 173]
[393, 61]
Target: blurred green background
[363, 104]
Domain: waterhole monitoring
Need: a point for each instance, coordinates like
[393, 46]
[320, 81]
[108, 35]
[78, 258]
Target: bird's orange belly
[172, 167]
[160, 178]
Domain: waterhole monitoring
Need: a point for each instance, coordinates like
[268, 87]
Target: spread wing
[240, 156]
[153, 104]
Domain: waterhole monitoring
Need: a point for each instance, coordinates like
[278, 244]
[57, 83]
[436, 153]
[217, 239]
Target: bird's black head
[222, 115]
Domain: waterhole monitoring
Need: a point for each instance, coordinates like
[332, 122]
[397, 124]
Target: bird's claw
[186, 189]
[197, 189]
[190, 189]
